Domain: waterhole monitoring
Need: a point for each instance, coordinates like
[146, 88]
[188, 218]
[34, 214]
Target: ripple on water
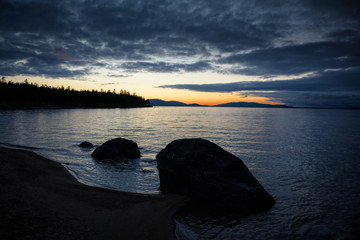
[306, 158]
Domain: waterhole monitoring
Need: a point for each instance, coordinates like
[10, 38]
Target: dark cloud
[316, 99]
[327, 81]
[110, 83]
[263, 38]
[343, 8]
[132, 30]
[32, 16]
[165, 67]
[140, 30]
[298, 59]
[63, 54]
[344, 35]
[118, 75]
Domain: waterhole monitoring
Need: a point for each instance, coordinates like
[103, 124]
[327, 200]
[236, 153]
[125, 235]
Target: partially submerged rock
[86, 144]
[202, 169]
[117, 149]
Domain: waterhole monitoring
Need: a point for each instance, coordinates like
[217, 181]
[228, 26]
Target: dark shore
[40, 199]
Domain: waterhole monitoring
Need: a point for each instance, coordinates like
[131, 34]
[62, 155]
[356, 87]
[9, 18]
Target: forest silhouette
[25, 95]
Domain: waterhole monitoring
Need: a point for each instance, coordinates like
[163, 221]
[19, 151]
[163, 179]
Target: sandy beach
[40, 199]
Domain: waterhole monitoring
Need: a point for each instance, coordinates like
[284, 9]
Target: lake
[308, 159]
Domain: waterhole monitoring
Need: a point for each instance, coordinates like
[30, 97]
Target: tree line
[25, 95]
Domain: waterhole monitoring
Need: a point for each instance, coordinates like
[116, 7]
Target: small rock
[86, 145]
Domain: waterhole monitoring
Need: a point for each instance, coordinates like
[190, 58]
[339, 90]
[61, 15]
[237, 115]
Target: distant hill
[159, 102]
[251, 104]
[196, 105]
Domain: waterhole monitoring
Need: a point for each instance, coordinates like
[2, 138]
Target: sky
[301, 53]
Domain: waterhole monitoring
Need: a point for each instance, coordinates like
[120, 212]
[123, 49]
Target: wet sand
[40, 199]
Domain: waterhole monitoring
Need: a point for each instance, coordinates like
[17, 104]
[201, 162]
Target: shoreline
[40, 199]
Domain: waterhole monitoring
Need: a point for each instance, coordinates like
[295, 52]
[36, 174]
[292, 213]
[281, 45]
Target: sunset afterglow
[298, 53]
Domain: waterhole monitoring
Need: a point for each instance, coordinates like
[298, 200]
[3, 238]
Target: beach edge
[41, 199]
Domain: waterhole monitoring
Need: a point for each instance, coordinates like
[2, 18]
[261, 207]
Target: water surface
[308, 159]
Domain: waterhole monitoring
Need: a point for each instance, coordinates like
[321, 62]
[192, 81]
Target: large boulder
[202, 169]
[117, 149]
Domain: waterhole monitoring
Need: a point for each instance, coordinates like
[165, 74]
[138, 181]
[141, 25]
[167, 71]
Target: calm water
[309, 160]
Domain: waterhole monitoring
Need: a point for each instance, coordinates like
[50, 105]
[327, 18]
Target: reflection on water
[307, 159]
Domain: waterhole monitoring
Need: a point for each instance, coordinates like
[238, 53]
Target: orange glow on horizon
[149, 91]
[212, 102]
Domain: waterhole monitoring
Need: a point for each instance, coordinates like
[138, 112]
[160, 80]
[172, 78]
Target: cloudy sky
[300, 53]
